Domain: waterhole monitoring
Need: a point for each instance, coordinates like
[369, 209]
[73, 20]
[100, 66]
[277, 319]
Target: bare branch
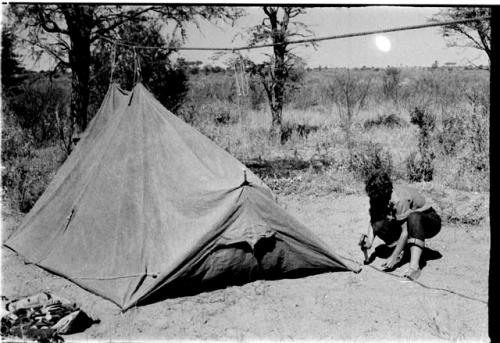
[53, 53]
[269, 11]
[476, 33]
[121, 19]
[47, 23]
[296, 11]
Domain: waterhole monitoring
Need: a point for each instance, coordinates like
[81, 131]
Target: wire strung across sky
[300, 41]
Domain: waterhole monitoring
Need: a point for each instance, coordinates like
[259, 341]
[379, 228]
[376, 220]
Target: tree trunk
[280, 72]
[278, 88]
[79, 19]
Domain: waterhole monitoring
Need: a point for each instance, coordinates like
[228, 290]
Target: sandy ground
[343, 306]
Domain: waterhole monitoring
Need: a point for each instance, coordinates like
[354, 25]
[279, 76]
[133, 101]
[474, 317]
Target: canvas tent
[148, 207]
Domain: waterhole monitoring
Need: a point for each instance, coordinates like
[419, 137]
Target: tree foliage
[279, 27]
[10, 62]
[476, 34]
[39, 107]
[167, 81]
[68, 32]
[349, 92]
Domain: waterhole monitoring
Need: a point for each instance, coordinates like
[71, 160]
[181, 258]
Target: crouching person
[400, 217]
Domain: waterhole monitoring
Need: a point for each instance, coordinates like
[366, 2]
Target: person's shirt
[405, 200]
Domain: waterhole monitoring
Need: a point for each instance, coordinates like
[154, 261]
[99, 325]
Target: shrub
[301, 130]
[26, 171]
[368, 157]
[392, 120]
[477, 138]
[35, 109]
[189, 114]
[419, 168]
[221, 114]
[217, 112]
[257, 94]
[390, 81]
[10, 60]
[15, 141]
[460, 174]
[349, 92]
[170, 86]
[209, 88]
[423, 119]
[451, 134]
[477, 129]
[30, 175]
[419, 165]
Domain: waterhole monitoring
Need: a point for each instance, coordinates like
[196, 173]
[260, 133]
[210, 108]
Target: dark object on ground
[361, 244]
[302, 130]
[392, 120]
[43, 317]
[384, 251]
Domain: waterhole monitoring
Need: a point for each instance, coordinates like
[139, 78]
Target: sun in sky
[383, 43]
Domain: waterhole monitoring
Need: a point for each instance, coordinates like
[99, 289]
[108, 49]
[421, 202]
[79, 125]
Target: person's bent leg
[431, 223]
[421, 225]
[416, 241]
[416, 248]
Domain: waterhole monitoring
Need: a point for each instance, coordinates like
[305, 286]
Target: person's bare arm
[394, 258]
[368, 242]
[404, 216]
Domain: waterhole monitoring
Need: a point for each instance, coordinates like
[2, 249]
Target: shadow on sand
[383, 251]
[283, 167]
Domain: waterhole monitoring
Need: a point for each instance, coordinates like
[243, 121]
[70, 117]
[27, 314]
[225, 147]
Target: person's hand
[363, 242]
[390, 264]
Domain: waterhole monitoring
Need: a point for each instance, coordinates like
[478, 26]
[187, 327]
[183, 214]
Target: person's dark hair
[378, 187]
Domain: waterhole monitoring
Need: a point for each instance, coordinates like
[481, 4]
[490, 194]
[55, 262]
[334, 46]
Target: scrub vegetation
[425, 124]
[420, 124]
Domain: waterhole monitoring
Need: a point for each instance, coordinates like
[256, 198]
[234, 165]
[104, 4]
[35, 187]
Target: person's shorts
[424, 225]
[421, 225]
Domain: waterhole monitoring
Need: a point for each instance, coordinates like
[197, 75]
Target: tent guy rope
[113, 64]
[400, 277]
[300, 41]
[430, 287]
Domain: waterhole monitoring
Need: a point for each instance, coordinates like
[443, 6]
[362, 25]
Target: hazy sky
[408, 48]
[413, 48]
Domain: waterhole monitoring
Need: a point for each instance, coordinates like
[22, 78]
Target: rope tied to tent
[137, 67]
[113, 63]
[245, 180]
[416, 282]
[137, 73]
[430, 287]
